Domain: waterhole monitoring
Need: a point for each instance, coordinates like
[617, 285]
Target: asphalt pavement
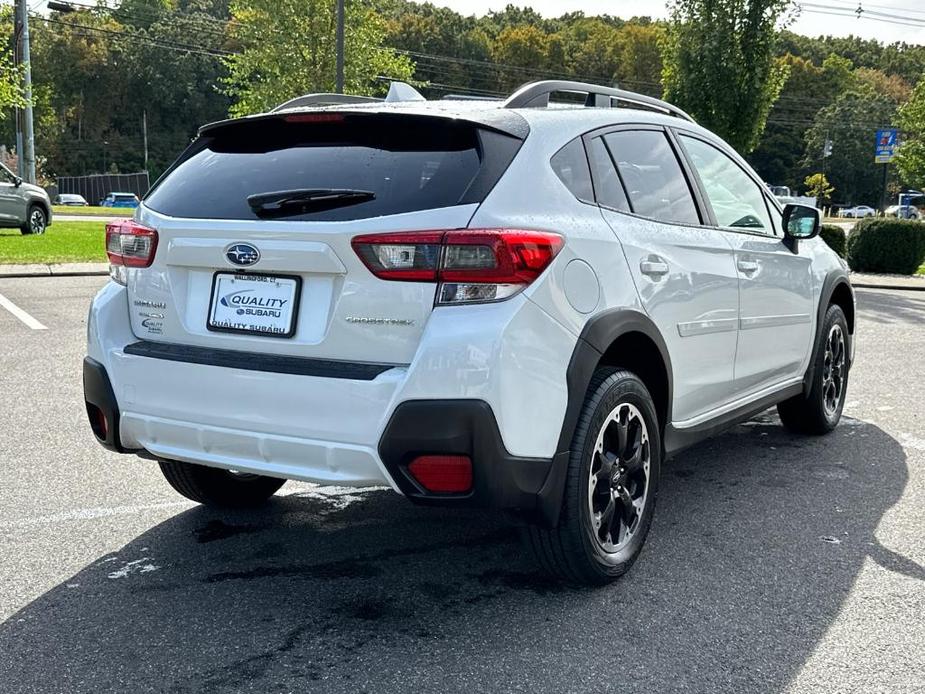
[775, 563]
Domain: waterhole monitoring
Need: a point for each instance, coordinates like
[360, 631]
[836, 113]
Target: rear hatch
[255, 220]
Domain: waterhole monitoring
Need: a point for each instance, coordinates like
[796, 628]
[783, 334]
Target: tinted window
[736, 199]
[607, 183]
[571, 166]
[652, 176]
[409, 164]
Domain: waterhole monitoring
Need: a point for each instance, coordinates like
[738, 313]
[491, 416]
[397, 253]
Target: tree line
[782, 99]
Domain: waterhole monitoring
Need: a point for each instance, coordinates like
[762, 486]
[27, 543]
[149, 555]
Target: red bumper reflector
[443, 473]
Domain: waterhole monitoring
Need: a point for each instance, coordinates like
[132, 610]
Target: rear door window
[607, 184]
[406, 163]
[654, 181]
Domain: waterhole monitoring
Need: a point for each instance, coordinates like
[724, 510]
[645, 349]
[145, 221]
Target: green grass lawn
[63, 242]
[101, 211]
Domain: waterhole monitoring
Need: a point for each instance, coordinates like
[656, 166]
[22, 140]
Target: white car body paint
[731, 341]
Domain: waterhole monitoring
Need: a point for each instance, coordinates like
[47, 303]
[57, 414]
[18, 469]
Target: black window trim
[703, 211]
[724, 149]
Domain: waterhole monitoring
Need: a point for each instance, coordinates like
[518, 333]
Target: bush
[887, 245]
[834, 236]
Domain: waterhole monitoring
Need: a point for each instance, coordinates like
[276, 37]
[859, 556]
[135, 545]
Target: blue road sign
[887, 140]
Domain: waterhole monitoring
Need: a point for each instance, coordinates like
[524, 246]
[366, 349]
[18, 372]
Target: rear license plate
[254, 304]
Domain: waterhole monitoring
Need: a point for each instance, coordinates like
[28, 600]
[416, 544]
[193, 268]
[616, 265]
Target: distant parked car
[23, 205]
[857, 212]
[71, 200]
[903, 212]
[120, 200]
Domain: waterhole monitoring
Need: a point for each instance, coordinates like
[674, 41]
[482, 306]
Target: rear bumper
[421, 427]
[467, 427]
[467, 392]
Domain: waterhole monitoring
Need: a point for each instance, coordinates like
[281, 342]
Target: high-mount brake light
[129, 244]
[314, 118]
[470, 265]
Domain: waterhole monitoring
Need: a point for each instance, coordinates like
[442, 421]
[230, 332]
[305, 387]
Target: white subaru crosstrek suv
[495, 304]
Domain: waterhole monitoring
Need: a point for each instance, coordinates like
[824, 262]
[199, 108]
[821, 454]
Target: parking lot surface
[775, 563]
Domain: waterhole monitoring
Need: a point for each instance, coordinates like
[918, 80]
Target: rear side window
[399, 163]
[571, 166]
[652, 176]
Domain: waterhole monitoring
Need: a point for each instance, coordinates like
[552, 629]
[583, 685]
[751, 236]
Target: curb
[895, 287]
[54, 270]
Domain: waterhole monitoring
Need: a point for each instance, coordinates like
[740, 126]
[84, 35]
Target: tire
[818, 413]
[581, 550]
[36, 221]
[214, 487]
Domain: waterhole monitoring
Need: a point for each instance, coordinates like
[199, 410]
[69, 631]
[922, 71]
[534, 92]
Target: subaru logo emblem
[242, 254]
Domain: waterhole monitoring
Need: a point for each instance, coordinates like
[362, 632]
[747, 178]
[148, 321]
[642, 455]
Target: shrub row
[834, 236]
[886, 245]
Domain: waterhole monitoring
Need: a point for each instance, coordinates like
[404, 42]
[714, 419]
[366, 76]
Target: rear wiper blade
[296, 201]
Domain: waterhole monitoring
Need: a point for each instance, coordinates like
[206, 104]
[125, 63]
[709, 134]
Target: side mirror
[801, 222]
[17, 181]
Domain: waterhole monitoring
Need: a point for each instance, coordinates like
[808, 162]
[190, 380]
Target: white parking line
[20, 314]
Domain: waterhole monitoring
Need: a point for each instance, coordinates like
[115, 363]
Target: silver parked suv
[23, 205]
[494, 304]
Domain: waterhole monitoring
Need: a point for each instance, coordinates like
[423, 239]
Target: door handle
[748, 266]
[653, 267]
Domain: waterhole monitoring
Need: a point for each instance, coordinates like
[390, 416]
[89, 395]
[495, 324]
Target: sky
[818, 17]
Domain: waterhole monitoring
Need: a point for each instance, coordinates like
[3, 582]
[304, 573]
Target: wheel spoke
[634, 438]
[629, 508]
[607, 462]
[607, 514]
[633, 464]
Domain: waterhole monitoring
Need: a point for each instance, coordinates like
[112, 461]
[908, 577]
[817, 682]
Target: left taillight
[470, 265]
[129, 244]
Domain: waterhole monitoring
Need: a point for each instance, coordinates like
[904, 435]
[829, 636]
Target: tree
[288, 49]
[850, 123]
[817, 186]
[720, 64]
[911, 154]
[11, 86]
[779, 156]
[638, 57]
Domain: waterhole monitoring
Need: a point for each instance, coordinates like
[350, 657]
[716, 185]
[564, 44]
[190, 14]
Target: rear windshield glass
[407, 163]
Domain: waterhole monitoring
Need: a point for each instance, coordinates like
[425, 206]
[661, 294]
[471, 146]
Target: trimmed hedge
[887, 245]
[834, 236]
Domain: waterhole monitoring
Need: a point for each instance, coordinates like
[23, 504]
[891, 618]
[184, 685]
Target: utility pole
[339, 48]
[144, 130]
[28, 132]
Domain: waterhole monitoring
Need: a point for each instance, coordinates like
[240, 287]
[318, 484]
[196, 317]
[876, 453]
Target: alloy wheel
[833, 370]
[37, 221]
[618, 485]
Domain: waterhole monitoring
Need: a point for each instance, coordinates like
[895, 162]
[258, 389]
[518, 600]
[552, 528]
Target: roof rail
[469, 97]
[536, 95]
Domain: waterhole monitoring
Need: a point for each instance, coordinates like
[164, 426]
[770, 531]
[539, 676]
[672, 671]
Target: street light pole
[28, 132]
[339, 48]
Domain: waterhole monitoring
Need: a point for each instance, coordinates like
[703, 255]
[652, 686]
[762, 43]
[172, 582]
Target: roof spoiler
[398, 91]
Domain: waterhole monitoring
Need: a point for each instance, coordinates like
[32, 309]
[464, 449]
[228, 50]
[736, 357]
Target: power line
[860, 13]
[139, 37]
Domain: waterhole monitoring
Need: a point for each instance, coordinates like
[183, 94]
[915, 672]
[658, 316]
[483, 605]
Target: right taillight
[470, 265]
[129, 244]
